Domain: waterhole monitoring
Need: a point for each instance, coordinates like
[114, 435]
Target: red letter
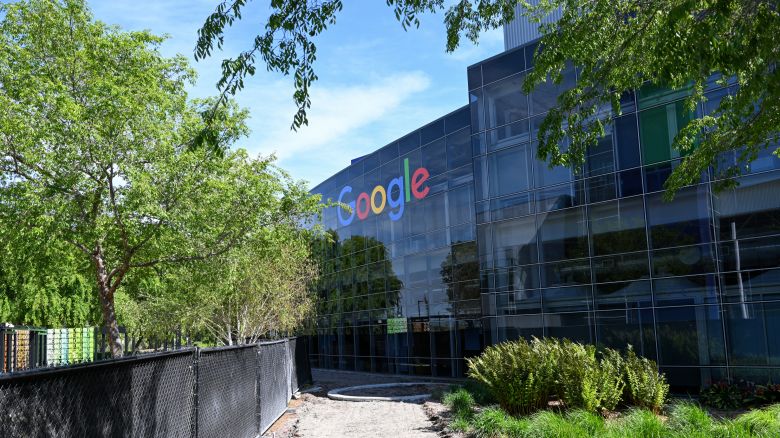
[362, 214]
[418, 178]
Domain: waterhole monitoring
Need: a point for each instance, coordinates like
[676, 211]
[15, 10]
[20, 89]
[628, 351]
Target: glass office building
[460, 238]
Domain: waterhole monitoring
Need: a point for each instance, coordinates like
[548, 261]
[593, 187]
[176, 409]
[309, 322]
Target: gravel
[317, 416]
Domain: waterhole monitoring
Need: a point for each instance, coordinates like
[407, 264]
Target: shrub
[481, 393]
[645, 386]
[725, 395]
[549, 424]
[460, 425]
[460, 402]
[518, 374]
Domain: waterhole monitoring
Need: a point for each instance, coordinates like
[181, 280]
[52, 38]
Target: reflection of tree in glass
[357, 275]
[460, 272]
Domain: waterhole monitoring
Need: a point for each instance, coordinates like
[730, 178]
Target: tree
[95, 136]
[616, 45]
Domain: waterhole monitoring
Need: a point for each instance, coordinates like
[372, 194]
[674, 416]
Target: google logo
[379, 197]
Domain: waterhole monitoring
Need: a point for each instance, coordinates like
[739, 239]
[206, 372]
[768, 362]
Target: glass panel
[545, 96]
[513, 206]
[750, 210]
[432, 131]
[505, 101]
[460, 204]
[474, 76]
[434, 158]
[751, 330]
[621, 328]
[503, 65]
[679, 291]
[630, 182]
[566, 299]
[459, 149]
[658, 128]
[620, 267]
[578, 327]
[691, 335]
[562, 196]
[686, 260]
[508, 135]
[627, 141]
[599, 158]
[618, 226]
[684, 221]
[515, 242]
[477, 109]
[756, 285]
[509, 170]
[510, 328]
[459, 119]
[623, 295]
[564, 235]
[566, 273]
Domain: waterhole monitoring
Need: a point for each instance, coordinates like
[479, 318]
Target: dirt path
[317, 416]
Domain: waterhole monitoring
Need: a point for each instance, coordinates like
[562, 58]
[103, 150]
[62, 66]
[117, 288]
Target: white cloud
[338, 114]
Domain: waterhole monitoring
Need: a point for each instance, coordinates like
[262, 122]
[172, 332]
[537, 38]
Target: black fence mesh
[273, 376]
[234, 391]
[226, 392]
[139, 396]
[301, 368]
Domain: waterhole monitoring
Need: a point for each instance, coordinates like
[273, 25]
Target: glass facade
[460, 238]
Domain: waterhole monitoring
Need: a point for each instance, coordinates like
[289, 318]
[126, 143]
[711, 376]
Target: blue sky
[376, 82]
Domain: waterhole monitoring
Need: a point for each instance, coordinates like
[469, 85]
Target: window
[545, 95]
[564, 235]
[684, 221]
[618, 226]
[658, 128]
[510, 170]
[515, 242]
[458, 149]
[505, 101]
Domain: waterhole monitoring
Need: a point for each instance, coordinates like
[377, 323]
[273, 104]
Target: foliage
[95, 136]
[616, 46]
[741, 394]
[460, 402]
[494, 423]
[684, 420]
[645, 386]
[479, 391]
[523, 376]
[690, 420]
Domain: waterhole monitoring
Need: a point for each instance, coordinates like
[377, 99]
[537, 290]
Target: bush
[523, 375]
[637, 423]
[645, 386]
[460, 402]
[725, 395]
[480, 392]
[518, 374]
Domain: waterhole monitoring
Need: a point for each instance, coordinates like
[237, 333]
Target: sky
[376, 82]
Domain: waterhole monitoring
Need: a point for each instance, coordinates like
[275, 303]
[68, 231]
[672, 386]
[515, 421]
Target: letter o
[362, 213]
[378, 208]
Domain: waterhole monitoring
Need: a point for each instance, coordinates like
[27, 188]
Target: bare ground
[316, 416]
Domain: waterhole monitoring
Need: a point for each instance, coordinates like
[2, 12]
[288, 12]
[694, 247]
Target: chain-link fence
[229, 391]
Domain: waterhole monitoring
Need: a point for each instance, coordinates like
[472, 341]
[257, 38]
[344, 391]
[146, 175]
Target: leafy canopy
[616, 45]
[95, 157]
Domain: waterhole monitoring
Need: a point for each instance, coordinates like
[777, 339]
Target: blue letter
[398, 201]
[342, 221]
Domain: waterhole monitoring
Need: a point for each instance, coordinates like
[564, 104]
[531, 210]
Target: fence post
[196, 372]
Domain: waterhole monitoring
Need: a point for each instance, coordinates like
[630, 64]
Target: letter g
[347, 221]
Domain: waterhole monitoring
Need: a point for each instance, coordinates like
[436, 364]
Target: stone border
[336, 394]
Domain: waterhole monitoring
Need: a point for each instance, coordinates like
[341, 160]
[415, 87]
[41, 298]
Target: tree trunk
[107, 304]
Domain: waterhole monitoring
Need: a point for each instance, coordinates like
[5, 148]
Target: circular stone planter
[336, 394]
